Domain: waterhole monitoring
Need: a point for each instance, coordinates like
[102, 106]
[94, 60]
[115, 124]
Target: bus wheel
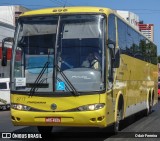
[117, 123]
[44, 129]
[149, 106]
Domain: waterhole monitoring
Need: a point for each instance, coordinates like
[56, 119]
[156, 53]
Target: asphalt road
[137, 125]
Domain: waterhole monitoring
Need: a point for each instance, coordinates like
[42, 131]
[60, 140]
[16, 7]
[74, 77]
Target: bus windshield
[73, 43]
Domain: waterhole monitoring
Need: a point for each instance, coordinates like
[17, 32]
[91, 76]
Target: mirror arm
[4, 50]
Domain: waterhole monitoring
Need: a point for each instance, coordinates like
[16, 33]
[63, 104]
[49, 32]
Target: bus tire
[119, 115]
[117, 123]
[149, 106]
[44, 130]
[152, 99]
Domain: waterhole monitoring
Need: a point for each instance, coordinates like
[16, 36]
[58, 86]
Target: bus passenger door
[111, 44]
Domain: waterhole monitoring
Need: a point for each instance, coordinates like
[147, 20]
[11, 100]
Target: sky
[147, 10]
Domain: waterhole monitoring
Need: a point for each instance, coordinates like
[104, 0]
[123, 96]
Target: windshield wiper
[75, 92]
[36, 83]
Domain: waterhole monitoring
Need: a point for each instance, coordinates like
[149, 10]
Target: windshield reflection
[79, 53]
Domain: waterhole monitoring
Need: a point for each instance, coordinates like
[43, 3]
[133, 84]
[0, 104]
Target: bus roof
[65, 10]
[75, 9]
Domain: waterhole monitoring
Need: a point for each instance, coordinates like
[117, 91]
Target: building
[9, 14]
[147, 30]
[8, 18]
[130, 17]
[133, 19]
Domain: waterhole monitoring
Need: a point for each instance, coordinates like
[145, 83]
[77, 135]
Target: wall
[7, 14]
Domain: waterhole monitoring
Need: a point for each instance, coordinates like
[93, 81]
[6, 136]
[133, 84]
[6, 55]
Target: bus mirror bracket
[4, 50]
[115, 54]
[116, 62]
[111, 46]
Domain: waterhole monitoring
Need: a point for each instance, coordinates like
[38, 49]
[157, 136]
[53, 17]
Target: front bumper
[95, 118]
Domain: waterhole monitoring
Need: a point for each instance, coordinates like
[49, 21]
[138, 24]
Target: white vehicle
[4, 93]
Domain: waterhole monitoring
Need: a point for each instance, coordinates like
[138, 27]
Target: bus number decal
[20, 99]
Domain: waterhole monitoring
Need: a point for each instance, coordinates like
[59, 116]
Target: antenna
[65, 4]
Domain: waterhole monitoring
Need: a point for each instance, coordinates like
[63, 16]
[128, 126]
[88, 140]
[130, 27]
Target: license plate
[53, 119]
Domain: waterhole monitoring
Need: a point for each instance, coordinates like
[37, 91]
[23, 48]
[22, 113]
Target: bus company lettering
[37, 102]
[81, 77]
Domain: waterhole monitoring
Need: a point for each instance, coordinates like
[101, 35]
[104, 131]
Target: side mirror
[115, 53]
[116, 62]
[4, 57]
[111, 46]
[4, 50]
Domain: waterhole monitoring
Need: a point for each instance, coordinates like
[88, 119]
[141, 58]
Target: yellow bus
[81, 67]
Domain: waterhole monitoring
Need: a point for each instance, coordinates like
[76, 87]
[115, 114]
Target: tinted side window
[3, 85]
[111, 29]
[134, 44]
[153, 54]
[122, 29]
[144, 49]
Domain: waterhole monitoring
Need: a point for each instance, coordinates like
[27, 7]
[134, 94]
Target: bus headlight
[20, 107]
[91, 107]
